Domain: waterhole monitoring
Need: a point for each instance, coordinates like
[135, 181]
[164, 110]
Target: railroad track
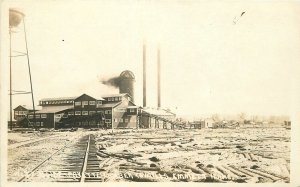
[74, 162]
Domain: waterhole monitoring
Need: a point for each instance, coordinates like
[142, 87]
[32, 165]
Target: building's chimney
[144, 77]
[158, 78]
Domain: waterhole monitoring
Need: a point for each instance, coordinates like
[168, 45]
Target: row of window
[131, 110]
[114, 99]
[121, 120]
[56, 102]
[37, 116]
[83, 103]
[39, 124]
[88, 112]
[21, 112]
[126, 120]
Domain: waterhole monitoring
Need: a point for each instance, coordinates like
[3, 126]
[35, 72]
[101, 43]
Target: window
[46, 102]
[78, 103]
[70, 113]
[109, 99]
[44, 116]
[42, 124]
[37, 116]
[92, 102]
[65, 116]
[37, 123]
[99, 102]
[121, 120]
[17, 112]
[116, 120]
[126, 120]
[112, 99]
[131, 110]
[92, 112]
[77, 113]
[120, 98]
[85, 103]
[116, 98]
[108, 121]
[30, 116]
[107, 111]
[85, 113]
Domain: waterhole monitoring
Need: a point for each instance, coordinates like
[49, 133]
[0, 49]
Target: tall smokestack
[158, 78]
[144, 77]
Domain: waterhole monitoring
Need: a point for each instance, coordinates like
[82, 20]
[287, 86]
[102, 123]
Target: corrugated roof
[159, 112]
[53, 109]
[114, 95]
[58, 98]
[110, 105]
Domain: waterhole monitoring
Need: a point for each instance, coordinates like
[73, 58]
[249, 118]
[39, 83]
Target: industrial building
[108, 111]
[114, 111]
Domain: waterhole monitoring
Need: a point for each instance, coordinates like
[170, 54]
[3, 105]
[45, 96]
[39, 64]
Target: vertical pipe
[10, 81]
[33, 107]
[144, 77]
[158, 78]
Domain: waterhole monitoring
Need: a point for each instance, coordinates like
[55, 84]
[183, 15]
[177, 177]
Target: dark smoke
[114, 81]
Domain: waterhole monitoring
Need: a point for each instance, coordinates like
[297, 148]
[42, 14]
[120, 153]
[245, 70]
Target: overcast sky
[213, 59]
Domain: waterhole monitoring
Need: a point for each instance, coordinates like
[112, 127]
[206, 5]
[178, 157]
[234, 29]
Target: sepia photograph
[189, 91]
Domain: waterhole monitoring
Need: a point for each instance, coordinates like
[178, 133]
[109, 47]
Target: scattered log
[227, 172]
[102, 154]
[246, 155]
[125, 155]
[154, 159]
[263, 174]
[236, 172]
[253, 158]
[272, 174]
[195, 170]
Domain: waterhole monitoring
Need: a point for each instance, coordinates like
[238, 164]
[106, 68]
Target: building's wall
[124, 117]
[145, 123]
[42, 120]
[85, 106]
[20, 112]
[108, 116]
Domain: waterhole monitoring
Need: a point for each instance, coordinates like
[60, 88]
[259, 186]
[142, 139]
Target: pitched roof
[115, 95]
[20, 107]
[159, 112]
[58, 98]
[53, 109]
[110, 105]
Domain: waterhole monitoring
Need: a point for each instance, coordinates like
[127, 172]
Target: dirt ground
[253, 155]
